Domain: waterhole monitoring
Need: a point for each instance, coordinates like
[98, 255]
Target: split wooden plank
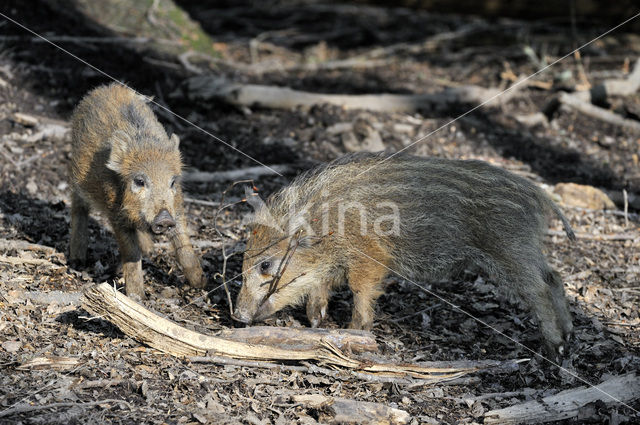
[566, 404]
[162, 334]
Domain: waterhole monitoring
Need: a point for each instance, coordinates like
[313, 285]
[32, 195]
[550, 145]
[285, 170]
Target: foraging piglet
[424, 218]
[124, 165]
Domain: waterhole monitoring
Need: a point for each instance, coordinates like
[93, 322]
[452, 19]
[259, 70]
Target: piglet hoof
[316, 314]
[556, 352]
[77, 263]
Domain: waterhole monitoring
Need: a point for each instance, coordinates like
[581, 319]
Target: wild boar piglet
[426, 219]
[124, 165]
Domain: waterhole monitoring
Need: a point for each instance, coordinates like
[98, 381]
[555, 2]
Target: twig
[202, 202]
[352, 63]
[622, 324]
[412, 383]
[605, 237]
[184, 60]
[626, 208]
[26, 409]
[428, 45]
[294, 242]
[194, 242]
[223, 274]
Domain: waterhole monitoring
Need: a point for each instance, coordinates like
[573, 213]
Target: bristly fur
[116, 142]
[453, 215]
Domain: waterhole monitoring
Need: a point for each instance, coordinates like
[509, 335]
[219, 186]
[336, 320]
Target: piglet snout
[162, 223]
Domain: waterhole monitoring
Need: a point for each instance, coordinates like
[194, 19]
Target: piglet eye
[138, 181]
[265, 266]
[173, 183]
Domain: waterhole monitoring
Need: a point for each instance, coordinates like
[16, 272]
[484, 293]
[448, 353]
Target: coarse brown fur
[124, 165]
[452, 215]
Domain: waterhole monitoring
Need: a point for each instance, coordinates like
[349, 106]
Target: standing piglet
[363, 216]
[124, 165]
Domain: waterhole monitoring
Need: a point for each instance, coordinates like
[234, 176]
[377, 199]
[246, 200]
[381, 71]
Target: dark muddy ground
[601, 276]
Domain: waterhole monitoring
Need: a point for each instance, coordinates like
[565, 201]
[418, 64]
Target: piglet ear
[175, 140]
[119, 142]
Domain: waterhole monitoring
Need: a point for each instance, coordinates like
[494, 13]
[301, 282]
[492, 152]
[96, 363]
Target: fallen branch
[136, 321]
[26, 409]
[566, 404]
[209, 88]
[597, 112]
[352, 63]
[231, 175]
[201, 202]
[303, 338]
[194, 242]
[613, 87]
[428, 45]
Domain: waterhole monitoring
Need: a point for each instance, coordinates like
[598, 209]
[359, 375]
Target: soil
[602, 277]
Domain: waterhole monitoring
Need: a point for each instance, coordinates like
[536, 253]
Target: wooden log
[338, 410]
[566, 404]
[133, 319]
[207, 88]
[303, 338]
